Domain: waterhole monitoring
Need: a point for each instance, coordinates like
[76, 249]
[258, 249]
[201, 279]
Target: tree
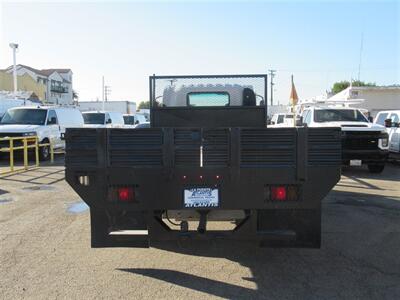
[144, 105]
[341, 85]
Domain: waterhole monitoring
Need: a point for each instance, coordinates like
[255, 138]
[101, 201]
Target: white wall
[117, 106]
[275, 109]
[379, 99]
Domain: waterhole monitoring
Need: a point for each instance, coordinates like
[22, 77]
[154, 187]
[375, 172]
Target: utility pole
[107, 91]
[14, 47]
[271, 76]
[361, 50]
[102, 92]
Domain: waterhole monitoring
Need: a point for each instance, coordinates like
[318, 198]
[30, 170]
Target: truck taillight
[278, 193]
[126, 194]
[282, 193]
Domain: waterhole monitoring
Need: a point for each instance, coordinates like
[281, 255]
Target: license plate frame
[201, 197]
[355, 162]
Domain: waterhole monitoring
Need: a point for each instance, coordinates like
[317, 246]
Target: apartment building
[52, 86]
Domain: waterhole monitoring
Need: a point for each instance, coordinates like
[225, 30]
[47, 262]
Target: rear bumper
[268, 228]
[268, 223]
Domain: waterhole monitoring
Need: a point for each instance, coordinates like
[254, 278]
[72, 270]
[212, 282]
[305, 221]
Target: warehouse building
[376, 98]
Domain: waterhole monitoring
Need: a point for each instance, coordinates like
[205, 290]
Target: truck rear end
[203, 162]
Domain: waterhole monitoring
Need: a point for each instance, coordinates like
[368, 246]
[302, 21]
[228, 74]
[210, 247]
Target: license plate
[201, 197]
[355, 162]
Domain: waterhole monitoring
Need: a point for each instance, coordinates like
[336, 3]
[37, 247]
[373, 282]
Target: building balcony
[59, 89]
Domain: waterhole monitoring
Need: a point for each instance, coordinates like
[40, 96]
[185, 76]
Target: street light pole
[272, 75]
[14, 47]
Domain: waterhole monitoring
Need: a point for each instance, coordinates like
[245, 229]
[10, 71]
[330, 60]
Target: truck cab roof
[207, 95]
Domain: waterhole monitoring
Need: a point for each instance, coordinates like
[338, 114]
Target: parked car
[103, 119]
[391, 120]
[362, 142]
[48, 123]
[282, 120]
[134, 119]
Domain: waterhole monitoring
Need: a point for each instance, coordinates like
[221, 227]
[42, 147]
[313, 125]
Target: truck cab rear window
[208, 99]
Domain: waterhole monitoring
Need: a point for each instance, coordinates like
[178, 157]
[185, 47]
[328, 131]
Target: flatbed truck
[207, 156]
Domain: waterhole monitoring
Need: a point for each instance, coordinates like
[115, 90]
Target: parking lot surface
[45, 250]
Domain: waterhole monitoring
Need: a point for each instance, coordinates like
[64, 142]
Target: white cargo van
[134, 119]
[48, 123]
[6, 103]
[103, 119]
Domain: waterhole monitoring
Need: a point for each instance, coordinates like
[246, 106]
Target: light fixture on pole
[14, 46]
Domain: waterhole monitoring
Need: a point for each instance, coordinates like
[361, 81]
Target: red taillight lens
[126, 194]
[278, 193]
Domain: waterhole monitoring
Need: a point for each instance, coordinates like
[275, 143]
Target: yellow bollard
[11, 155]
[51, 152]
[37, 151]
[25, 154]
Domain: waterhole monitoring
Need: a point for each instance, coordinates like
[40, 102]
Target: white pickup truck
[391, 120]
[362, 142]
[46, 122]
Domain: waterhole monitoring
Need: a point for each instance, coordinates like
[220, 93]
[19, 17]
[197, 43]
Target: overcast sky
[319, 42]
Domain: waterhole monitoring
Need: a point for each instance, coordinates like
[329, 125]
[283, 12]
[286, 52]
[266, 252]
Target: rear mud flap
[103, 236]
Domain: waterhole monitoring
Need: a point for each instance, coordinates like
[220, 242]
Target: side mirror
[299, 121]
[388, 123]
[108, 121]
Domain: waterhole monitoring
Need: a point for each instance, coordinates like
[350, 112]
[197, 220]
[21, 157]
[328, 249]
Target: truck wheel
[376, 168]
[44, 152]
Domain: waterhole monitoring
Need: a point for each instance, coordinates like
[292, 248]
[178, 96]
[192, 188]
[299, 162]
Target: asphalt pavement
[45, 250]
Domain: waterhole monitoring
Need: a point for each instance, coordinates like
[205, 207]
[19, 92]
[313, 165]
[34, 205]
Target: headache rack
[245, 105]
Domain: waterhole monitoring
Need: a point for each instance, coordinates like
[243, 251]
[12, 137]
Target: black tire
[44, 152]
[376, 168]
